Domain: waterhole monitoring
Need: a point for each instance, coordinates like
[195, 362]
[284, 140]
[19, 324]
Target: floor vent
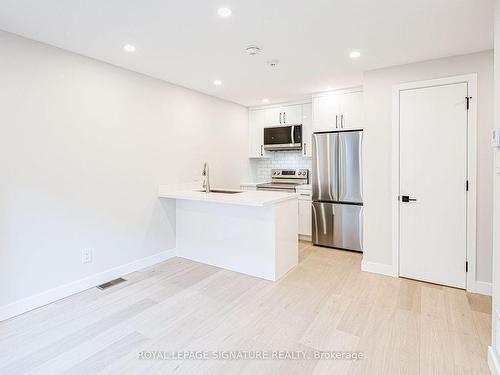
[109, 284]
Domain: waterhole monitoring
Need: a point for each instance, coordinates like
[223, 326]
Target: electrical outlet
[86, 256]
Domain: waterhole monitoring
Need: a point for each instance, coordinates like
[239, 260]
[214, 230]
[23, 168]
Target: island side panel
[287, 236]
[234, 237]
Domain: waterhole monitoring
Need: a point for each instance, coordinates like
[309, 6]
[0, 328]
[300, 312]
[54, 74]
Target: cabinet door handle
[284, 117]
[280, 117]
[336, 121]
[305, 144]
[342, 121]
[261, 154]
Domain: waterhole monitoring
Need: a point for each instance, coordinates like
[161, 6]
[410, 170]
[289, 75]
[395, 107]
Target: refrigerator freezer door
[338, 225]
[322, 224]
[348, 227]
[350, 176]
[325, 167]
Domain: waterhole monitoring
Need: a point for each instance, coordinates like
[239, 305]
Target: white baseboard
[304, 237]
[52, 295]
[493, 361]
[480, 287]
[383, 269]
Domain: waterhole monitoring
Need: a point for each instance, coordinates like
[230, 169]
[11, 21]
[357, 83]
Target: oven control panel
[290, 173]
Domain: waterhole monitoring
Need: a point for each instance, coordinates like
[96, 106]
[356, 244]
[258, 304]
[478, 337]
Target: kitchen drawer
[248, 187]
[305, 195]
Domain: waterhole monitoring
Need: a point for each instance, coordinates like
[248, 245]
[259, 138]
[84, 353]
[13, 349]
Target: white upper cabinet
[257, 122]
[326, 110]
[264, 117]
[351, 110]
[291, 115]
[307, 130]
[274, 116]
[338, 110]
[285, 115]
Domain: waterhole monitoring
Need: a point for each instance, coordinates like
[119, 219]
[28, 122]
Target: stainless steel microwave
[283, 138]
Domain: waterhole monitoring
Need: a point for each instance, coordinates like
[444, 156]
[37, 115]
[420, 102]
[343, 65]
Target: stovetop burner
[286, 179]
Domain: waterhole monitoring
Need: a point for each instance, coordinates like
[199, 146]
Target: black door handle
[406, 199]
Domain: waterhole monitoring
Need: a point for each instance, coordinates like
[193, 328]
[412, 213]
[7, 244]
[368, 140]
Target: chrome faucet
[206, 179]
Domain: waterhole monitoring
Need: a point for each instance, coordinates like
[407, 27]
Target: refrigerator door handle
[340, 170]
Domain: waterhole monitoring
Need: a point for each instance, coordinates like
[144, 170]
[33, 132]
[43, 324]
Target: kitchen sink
[222, 191]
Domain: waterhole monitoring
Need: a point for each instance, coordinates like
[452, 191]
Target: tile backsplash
[279, 160]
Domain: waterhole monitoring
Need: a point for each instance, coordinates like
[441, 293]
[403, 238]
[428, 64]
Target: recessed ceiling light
[217, 82]
[129, 48]
[224, 12]
[253, 50]
[354, 54]
[265, 100]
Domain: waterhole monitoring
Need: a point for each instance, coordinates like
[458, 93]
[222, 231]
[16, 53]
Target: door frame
[471, 80]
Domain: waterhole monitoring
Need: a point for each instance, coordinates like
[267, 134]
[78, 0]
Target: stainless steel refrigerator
[337, 193]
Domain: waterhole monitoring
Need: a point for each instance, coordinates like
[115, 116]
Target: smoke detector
[273, 63]
[253, 50]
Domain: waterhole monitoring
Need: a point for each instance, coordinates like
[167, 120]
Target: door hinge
[467, 185]
[468, 98]
[466, 266]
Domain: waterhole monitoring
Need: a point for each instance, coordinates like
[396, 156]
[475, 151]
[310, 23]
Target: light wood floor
[326, 303]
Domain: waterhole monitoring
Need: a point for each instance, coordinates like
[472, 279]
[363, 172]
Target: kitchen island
[252, 232]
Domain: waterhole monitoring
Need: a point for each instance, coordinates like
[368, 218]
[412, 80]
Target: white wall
[378, 151]
[83, 148]
[494, 351]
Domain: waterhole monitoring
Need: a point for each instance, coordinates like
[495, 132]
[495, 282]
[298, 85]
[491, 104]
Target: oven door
[283, 138]
[284, 188]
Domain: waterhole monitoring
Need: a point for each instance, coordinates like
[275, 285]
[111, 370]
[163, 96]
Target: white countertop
[245, 198]
[304, 187]
[253, 183]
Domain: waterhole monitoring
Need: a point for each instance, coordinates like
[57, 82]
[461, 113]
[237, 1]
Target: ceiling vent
[253, 50]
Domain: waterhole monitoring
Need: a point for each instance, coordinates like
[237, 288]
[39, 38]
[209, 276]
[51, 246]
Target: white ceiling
[187, 43]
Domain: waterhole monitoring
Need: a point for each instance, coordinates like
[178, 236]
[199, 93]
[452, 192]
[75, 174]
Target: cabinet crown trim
[338, 92]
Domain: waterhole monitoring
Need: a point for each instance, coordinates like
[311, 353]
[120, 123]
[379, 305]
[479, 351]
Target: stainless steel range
[286, 180]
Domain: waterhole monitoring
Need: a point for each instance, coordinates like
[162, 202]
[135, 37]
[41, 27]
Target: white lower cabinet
[305, 215]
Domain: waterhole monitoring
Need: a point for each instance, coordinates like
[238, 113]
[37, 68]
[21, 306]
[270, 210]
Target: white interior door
[433, 170]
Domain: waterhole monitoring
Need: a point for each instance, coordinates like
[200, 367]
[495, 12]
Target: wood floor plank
[325, 323]
[33, 360]
[479, 302]
[325, 304]
[111, 353]
[482, 322]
